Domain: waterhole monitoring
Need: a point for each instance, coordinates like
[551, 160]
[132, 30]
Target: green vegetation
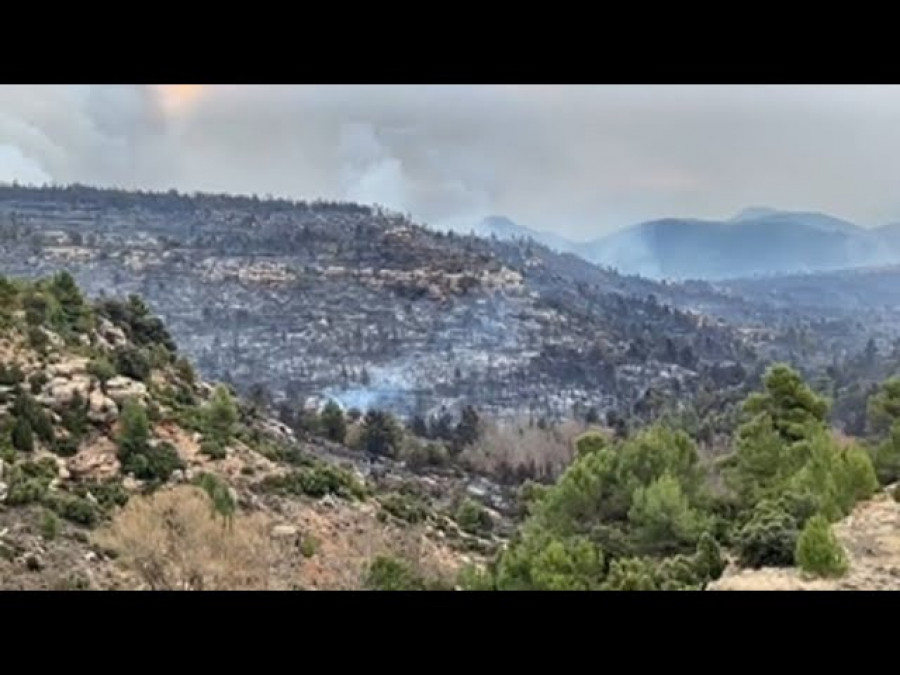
[332, 422]
[637, 512]
[404, 507]
[315, 481]
[387, 573]
[818, 550]
[138, 455]
[50, 525]
[381, 435]
[222, 501]
[473, 518]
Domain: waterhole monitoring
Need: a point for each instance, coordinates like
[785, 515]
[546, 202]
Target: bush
[38, 339]
[332, 422]
[210, 557]
[404, 507]
[27, 409]
[381, 434]
[65, 447]
[28, 482]
[213, 449]
[710, 564]
[391, 574]
[37, 381]
[631, 574]
[50, 525]
[133, 362]
[662, 518]
[22, 438]
[101, 368]
[308, 546]
[74, 417]
[220, 416]
[108, 494]
[818, 550]
[217, 490]
[768, 539]
[315, 481]
[73, 508]
[473, 518]
[10, 375]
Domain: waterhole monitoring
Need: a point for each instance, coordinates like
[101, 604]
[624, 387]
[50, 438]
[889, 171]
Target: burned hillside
[349, 302]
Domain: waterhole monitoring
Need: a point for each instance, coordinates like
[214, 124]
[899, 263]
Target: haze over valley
[469, 345]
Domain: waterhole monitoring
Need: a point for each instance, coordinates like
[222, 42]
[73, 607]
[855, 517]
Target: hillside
[119, 468]
[755, 243]
[871, 537]
[320, 300]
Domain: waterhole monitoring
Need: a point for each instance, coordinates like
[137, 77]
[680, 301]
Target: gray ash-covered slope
[342, 300]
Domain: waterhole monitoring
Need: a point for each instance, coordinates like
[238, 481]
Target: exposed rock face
[96, 460]
[61, 391]
[102, 409]
[121, 388]
[871, 537]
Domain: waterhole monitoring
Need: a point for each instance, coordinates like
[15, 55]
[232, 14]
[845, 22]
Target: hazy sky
[578, 160]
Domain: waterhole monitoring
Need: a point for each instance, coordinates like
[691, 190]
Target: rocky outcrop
[101, 408]
[121, 388]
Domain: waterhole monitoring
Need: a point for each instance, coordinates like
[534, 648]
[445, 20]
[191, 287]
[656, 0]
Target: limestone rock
[284, 531]
[102, 409]
[121, 388]
[61, 390]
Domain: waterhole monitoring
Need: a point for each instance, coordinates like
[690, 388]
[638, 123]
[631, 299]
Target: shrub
[332, 422]
[709, 560]
[818, 550]
[37, 381]
[381, 434]
[108, 494]
[662, 518]
[220, 416]
[404, 507]
[308, 546]
[473, 518]
[38, 339]
[391, 574]
[630, 574]
[28, 482]
[72, 507]
[10, 375]
[101, 368]
[132, 362]
[74, 417]
[185, 371]
[315, 481]
[213, 449]
[768, 539]
[211, 557]
[22, 438]
[217, 490]
[50, 525]
[65, 447]
[27, 409]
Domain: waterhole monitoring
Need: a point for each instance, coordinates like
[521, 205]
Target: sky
[577, 160]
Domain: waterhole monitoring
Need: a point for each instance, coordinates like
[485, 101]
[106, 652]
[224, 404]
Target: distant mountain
[758, 241]
[503, 228]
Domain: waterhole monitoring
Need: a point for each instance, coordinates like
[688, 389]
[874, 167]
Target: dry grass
[516, 445]
[173, 541]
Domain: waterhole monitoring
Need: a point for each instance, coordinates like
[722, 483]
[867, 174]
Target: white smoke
[16, 167]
